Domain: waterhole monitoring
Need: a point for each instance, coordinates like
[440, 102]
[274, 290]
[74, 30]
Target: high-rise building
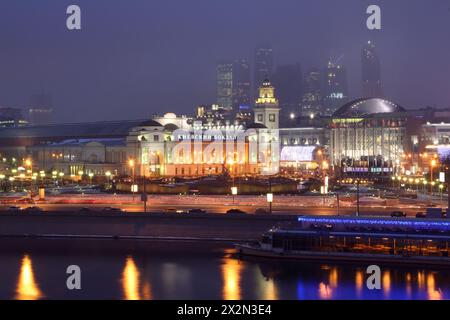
[267, 107]
[312, 100]
[336, 94]
[225, 85]
[241, 84]
[40, 111]
[263, 66]
[233, 84]
[288, 79]
[371, 73]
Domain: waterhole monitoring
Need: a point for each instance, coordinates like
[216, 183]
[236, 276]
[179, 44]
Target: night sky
[134, 58]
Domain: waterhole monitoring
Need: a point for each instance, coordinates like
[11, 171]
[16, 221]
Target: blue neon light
[440, 225]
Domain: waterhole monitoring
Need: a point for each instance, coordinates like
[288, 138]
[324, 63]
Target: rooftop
[73, 130]
[367, 106]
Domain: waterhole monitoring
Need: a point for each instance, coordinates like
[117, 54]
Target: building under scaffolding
[368, 137]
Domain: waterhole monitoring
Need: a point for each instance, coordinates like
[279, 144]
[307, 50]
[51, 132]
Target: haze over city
[149, 57]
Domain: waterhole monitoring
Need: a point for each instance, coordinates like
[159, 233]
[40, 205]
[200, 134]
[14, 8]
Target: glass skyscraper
[371, 74]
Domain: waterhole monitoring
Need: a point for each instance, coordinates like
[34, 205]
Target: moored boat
[370, 239]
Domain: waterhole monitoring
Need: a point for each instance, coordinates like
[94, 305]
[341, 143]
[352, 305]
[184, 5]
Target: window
[156, 138]
[272, 117]
[260, 117]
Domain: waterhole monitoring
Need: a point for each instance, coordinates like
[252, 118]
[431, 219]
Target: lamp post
[108, 177]
[433, 164]
[29, 164]
[131, 165]
[234, 192]
[270, 200]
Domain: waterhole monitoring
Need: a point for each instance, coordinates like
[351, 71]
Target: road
[410, 210]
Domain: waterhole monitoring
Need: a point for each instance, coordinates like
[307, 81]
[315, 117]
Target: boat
[353, 239]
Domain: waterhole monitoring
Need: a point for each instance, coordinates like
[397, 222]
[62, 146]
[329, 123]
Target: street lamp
[270, 200]
[433, 164]
[234, 192]
[134, 187]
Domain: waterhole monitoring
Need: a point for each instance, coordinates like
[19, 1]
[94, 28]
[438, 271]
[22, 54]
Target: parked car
[197, 210]
[112, 210]
[14, 208]
[236, 211]
[85, 209]
[261, 211]
[398, 214]
[33, 209]
[421, 215]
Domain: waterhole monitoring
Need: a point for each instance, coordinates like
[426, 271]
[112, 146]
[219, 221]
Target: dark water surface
[36, 269]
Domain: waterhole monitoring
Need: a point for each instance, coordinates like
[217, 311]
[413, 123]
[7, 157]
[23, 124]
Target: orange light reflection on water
[433, 292]
[130, 280]
[27, 287]
[231, 273]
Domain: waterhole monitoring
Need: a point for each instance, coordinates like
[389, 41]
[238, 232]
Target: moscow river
[36, 269]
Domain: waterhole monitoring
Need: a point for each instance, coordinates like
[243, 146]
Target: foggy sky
[134, 58]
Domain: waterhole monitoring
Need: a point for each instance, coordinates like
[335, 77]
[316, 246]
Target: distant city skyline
[132, 60]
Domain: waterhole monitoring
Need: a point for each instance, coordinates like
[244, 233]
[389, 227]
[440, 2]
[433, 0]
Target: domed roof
[150, 123]
[366, 106]
[170, 115]
[171, 127]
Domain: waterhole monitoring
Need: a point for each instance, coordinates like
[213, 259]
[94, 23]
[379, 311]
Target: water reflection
[131, 281]
[212, 276]
[267, 288]
[27, 287]
[433, 292]
[231, 274]
[359, 281]
[326, 289]
[386, 283]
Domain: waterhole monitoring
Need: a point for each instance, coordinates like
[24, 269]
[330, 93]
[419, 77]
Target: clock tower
[267, 108]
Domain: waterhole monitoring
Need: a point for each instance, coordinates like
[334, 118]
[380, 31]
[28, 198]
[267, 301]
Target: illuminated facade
[267, 109]
[368, 136]
[204, 149]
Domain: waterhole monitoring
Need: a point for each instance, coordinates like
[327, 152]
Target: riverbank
[213, 227]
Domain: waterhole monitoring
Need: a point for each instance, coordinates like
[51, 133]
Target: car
[398, 214]
[197, 210]
[171, 210]
[236, 211]
[14, 208]
[261, 211]
[33, 209]
[85, 209]
[421, 215]
[111, 209]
